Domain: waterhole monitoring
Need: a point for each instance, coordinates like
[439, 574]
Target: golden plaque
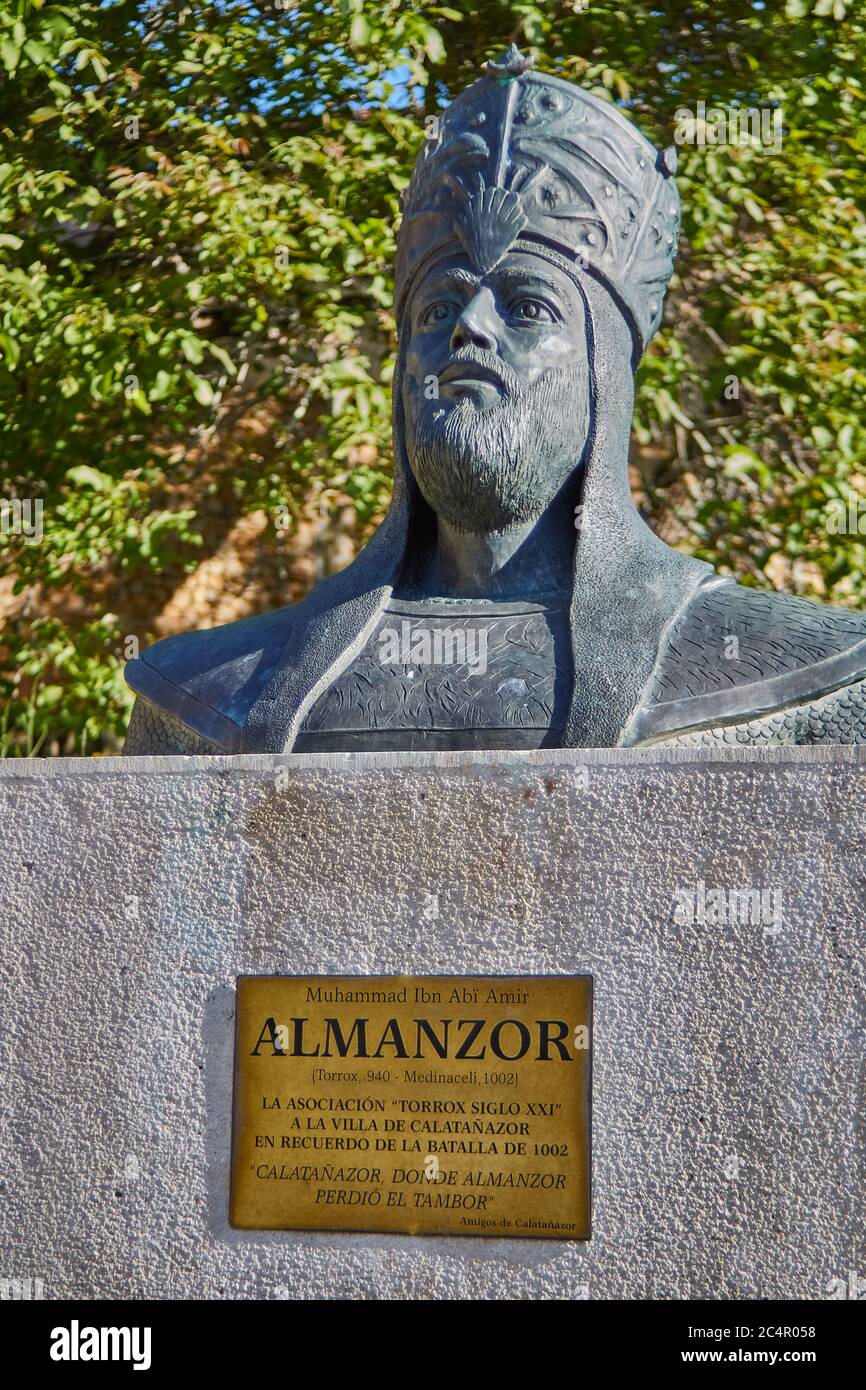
[432, 1105]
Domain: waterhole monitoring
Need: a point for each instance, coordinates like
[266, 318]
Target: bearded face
[495, 392]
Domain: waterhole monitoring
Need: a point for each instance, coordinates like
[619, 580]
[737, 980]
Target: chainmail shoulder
[150, 731]
[836, 718]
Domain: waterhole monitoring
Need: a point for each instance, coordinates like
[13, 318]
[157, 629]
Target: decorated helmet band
[523, 161]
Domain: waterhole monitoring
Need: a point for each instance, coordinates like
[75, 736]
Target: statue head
[532, 200]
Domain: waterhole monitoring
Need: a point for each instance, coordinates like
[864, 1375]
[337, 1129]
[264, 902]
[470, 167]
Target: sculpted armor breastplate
[450, 675]
[738, 666]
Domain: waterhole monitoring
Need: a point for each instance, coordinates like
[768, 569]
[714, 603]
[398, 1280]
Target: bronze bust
[513, 597]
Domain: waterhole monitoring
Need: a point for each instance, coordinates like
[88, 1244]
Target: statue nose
[476, 326]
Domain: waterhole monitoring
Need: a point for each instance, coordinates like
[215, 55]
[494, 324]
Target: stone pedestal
[728, 1054]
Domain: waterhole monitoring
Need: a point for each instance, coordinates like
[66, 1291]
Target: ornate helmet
[523, 161]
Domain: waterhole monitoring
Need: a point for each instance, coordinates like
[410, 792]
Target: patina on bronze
[513, 597]
[450, 1105]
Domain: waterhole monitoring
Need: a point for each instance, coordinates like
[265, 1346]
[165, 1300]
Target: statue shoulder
[734, 654]
[208, 680]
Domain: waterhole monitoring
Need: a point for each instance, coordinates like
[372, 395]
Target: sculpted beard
[487, 470]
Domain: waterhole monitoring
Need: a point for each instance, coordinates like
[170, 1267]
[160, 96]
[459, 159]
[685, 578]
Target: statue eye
[437, 313]
[532, 311]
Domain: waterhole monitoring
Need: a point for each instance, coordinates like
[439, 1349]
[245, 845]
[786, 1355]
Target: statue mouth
[468, 378]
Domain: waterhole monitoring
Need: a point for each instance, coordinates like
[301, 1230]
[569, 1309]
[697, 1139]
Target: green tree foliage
[198, 205]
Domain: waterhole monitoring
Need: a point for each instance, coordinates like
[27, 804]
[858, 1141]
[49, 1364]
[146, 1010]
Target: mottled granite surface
[729, 1056]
